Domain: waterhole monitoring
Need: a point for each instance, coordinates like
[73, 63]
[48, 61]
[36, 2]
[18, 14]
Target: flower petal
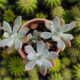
[18, 44]
[40, 46]
[3, 42]
[43, 70]
[31, 56]
[56, 23]
[55, 37]
[10, 42]
[29, 49]
[67, 37]
[21, 34]
[6, 34]
[7, 27]
[52, 55]
[47, 64]
[48, 25]
[68, 27]
[61, 45]
[17, 24]
[46, 35]
[30, 65]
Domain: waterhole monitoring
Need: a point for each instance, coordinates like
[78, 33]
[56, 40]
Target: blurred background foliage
[67, 66]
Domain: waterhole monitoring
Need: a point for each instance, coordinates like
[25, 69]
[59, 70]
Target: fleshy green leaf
[7, 27]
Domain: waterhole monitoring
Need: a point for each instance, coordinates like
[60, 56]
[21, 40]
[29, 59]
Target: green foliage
[57, 66]
[33, 74]
[52, 3]
[75, 11]
[67, 74]
[56, 76]
[3, 71]
[66, 61]
[41, 15]
[8, 15]
[27, 6]
[73, 1]
[73, 52]
[7, 78]
[3, 4]
[58, 11]
[77, 41]
[16, 66]
[77, 71]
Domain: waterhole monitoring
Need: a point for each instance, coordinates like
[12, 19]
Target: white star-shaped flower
[13, 37]
[41, 58]
[57, 32]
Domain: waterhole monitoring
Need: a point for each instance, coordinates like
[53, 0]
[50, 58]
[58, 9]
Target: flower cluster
[39, 55]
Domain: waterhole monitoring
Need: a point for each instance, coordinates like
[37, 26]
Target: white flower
[57, 32]
[13, 37]
[41, 58]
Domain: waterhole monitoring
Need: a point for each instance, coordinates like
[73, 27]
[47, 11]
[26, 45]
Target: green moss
[33, 74]
[7, 78]
[41, 15]
[3, 71]
[52, 3]
[75, 11]
[4, 54]
[16, 66]
[73, 52]
[3, 4]
[74, 59]
[73, 1]
[57, 67]
[56, 76]
[58, 11]
[8, 15]
[19, 78]
[27, 6]
[67, 75]
[66, 61]
[77, 41]
[77, 71]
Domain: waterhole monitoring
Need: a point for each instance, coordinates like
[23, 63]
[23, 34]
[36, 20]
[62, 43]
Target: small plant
[35, 37]
[57, 33]
[8, 15]
[74, 52]
[77, 41]
[33, 74]
[16, 66]
[56, 67]
[41, 15]
[67, 74]
[56, 76]
[3, 71]
[3, 4]
[58, 11]
[66, 61]
[27, 6]
[40, 58]
[77, 71]
[75, 12]
[7, 78]
[13, 37]
[52, 3]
